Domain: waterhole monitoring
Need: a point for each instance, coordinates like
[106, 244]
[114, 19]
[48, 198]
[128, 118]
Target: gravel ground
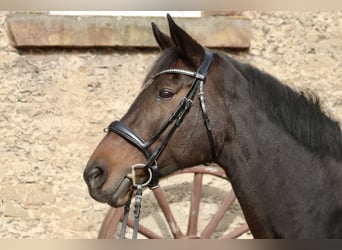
[55, 103]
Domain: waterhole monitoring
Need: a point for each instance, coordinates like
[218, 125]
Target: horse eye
[165, 94]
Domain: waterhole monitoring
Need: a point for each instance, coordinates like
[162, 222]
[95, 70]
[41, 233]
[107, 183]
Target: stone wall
[54, 104]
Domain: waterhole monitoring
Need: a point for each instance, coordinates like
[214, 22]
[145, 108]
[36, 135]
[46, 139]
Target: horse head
[167, 93]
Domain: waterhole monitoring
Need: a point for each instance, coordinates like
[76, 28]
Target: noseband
[176, 119]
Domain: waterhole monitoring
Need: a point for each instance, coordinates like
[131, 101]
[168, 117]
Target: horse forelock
[299, 113]
[165, 61]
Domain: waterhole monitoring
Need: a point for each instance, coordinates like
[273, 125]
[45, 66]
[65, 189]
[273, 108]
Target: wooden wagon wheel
[110, 225]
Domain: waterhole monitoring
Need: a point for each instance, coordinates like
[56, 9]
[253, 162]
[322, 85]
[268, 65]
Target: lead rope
[137, 206]
[125, 218]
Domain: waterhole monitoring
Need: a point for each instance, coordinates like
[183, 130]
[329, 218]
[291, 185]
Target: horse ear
[163, 40]
[187, 46]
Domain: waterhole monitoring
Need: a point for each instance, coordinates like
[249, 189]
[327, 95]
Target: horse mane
[299, 113]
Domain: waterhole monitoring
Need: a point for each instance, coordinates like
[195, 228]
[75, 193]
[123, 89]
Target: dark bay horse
[282, 154]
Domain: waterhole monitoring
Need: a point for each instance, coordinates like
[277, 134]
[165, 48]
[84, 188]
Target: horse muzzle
[115, 195]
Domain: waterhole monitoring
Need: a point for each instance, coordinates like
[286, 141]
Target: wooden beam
[44, 30]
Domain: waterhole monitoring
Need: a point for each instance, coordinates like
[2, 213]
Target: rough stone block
[31, 30]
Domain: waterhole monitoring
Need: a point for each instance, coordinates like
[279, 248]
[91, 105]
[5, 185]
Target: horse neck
[264, 162]
[256, 143]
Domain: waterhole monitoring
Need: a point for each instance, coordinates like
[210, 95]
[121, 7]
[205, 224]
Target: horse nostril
[96, 177]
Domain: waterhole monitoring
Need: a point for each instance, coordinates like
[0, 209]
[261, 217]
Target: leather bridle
[176, 119]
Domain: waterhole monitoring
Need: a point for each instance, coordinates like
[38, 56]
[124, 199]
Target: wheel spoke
[210, 228]
[110, 223]
[236, 232]
[113, 217]
[144, 230]
[164, 205]
[195, 205]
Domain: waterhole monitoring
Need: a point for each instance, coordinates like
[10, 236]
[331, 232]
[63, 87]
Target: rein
[176, 119]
